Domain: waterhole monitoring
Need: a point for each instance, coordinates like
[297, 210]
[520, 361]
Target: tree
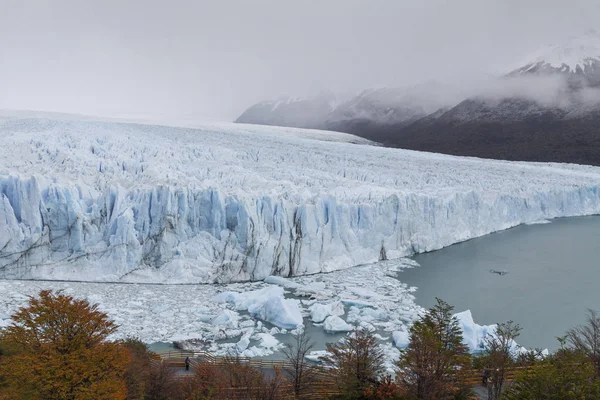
[586, 339]
[565, 375]
[357, 362]
[58, 350]
[162, 383]
[299, 371]
[430, 367]
[138, 373]
[498, 357]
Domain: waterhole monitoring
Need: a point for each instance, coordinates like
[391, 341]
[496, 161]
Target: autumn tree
[357, 362]
[299, 371]
[498, 356]
[430, 367]
[162, 383]
[58, 350]
[565, 375]
[139, 370]
[586, 339]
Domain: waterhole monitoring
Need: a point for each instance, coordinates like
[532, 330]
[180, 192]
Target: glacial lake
[553, 277]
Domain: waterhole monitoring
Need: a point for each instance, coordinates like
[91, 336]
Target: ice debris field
[253, 319]
[106, 201]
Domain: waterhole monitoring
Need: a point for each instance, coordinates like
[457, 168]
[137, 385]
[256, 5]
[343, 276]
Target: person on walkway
[485, 374]
[187, 363]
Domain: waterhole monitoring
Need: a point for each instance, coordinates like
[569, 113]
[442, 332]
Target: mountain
[375, 110]
[371, 109]
[578, 60]
[547, 109]
[292, 112]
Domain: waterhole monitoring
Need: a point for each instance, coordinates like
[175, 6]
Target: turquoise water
[553, 277]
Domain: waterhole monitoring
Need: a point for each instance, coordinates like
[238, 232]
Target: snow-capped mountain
[578, 59]
[293, 112]
[547, 109]
[107, 201]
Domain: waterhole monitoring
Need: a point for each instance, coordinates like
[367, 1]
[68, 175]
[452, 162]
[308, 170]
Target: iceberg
[401, 339]
[105, 201]
[228, 319]
[473, 333]
[334, 324]
[267, 304]
[319, 312]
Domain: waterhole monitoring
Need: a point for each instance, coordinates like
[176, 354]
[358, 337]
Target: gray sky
[214, 58]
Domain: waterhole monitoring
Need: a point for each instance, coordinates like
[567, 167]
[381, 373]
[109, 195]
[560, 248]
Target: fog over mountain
[546, 109]
[205, 59]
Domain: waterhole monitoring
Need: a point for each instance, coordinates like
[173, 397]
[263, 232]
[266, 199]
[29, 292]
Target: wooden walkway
[325, 387]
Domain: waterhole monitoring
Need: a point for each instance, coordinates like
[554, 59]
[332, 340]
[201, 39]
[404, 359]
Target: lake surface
[553, 277]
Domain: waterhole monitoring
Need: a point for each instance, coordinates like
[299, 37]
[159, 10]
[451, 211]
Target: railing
[174, 356]
[475, 378]
[323, 387]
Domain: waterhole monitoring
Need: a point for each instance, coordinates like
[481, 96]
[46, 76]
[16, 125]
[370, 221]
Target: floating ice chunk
[539, 222]
[227, 318]
[370, 314]
[268, 341]
[400, 339]
[335, 324]
[243, 344]
[274, 331]
[267, 304]
[357, 303]
[367, 326]
[473, 334]
[247, 324]
[318, 312]
[315, 356]
[283, 282]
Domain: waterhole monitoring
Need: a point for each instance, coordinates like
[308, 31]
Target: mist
[212, 59]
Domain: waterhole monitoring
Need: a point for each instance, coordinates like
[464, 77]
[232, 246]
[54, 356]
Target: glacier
[123, 202]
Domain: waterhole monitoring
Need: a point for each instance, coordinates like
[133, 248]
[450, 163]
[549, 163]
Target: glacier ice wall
[182, 235]
[93, 200]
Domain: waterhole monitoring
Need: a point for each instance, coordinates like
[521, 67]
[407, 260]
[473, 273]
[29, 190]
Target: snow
[577, 52]
[267, 304]
[335, 324]
[105, 201]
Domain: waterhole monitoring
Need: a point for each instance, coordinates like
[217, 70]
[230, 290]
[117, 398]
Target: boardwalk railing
[475, 378]
[324, 387]
[179, 356]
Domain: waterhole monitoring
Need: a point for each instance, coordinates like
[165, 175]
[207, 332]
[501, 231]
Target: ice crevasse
[216, 229]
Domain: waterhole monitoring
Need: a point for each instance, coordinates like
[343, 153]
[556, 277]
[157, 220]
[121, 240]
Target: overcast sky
[214, 58]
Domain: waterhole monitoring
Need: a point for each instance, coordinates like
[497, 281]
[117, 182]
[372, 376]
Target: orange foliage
[57, 349]
[233, 379]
